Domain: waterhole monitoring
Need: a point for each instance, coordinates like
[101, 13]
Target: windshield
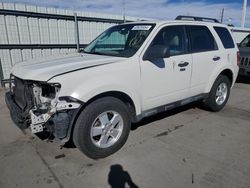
[120, 40]
[245, 42]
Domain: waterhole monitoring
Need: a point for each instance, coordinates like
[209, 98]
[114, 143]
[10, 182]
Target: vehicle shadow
[70, 144]
[243, 80]
[162, 115]
[118, 178]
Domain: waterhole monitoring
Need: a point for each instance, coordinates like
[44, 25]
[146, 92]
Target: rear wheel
[102, 127]
[219, 94]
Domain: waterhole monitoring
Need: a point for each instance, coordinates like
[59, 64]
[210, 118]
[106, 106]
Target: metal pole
[77, 33]
[222, 15]
[124, 11]
[1, 74]
[243, 17]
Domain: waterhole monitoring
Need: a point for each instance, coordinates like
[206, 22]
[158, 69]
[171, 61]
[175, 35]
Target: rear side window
[201, 39]
[225, 37]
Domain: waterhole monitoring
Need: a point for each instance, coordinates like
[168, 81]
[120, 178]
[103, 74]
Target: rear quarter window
[225, 37]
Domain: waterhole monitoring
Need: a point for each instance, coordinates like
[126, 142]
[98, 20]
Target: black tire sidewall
[211, 100]
[81, 134]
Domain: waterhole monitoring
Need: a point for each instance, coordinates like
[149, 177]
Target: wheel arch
[132, 106]
[226, 72]
[119, 95]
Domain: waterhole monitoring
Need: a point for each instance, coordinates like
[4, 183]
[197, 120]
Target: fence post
[77, 33]
[1, 74]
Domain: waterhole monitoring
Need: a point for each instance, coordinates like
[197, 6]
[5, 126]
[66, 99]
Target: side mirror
[156, 51]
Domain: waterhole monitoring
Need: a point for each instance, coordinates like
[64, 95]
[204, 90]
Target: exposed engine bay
[40, 107]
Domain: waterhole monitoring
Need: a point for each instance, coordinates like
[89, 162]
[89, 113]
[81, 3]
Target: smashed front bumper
[18, 116]
[57, 123]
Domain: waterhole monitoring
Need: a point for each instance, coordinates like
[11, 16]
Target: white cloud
[159, 9]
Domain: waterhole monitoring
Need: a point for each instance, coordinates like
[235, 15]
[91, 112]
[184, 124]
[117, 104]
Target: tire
[93, 133]
[216, 105]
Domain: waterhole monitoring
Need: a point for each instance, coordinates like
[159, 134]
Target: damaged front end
[37, 105]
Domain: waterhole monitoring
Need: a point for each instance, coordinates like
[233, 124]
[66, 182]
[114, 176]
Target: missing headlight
[48, 91]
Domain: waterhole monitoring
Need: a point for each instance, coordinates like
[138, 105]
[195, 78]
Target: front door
[167, 80]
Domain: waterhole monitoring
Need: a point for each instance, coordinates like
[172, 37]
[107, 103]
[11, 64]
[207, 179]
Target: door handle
[183, 64]
[216, 58]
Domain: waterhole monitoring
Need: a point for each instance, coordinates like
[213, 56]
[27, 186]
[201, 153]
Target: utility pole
[124, 10]
[77, 33]
[244, 10]
[222, 15]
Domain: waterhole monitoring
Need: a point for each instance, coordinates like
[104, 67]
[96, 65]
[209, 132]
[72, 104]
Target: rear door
[205, 56]
[229, 47]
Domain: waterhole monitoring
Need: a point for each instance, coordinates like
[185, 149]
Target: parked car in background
[244, 48]
[239, 33]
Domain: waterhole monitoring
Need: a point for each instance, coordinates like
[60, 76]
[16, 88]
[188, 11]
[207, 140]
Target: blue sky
[158, 9]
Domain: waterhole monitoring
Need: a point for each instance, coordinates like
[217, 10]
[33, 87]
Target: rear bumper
[17, 115]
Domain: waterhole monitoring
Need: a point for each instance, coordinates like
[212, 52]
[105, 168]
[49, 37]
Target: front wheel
[219, 94]
[102, 127]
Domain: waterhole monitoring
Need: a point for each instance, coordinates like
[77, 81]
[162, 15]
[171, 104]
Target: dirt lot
[187, 147]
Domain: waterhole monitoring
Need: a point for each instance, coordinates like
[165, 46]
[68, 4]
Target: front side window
[120, 40]
[201, 39]
[245, 42]
[173, 37]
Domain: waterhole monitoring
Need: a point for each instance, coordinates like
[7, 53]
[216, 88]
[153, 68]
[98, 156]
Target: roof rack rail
[194, 18]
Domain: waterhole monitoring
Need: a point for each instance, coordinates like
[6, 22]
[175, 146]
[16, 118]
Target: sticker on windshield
[142, 27]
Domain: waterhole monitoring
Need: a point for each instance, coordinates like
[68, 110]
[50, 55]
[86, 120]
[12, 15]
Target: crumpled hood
[45, 68]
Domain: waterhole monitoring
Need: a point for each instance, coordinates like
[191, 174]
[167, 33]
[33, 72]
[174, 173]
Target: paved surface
[187, 147]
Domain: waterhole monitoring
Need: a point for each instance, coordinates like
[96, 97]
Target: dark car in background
[244, 48]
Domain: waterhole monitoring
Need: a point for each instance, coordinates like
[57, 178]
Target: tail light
[238, 58]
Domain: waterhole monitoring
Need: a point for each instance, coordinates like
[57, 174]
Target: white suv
[129, 72]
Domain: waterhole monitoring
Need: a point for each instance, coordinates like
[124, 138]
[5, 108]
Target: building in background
[240, 33]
